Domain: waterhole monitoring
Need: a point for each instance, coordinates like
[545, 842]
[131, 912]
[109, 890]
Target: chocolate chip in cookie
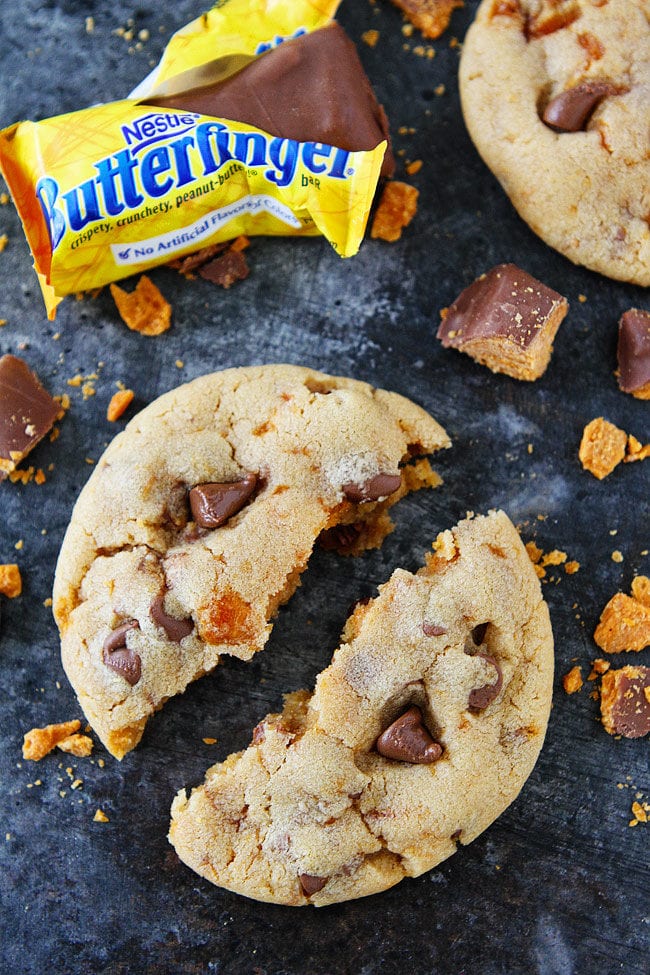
[374, 488]
[481, 697]
[407, 740]
[571, 110]
[119, 657]
[310, 884]
[213, 504]
[176, 629]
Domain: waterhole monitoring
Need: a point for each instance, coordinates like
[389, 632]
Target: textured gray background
[556, 885]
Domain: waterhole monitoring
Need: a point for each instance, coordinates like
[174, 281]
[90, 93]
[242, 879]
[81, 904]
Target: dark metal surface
[558, 884]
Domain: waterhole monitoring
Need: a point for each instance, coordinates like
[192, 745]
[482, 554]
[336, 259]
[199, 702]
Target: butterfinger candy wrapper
[257, 120]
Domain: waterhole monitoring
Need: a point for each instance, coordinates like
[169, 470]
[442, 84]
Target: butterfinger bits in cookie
[267, 128]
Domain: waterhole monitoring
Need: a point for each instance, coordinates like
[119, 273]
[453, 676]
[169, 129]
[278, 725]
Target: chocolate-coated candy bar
[27, 412]
[634, 353]
[311, 88]
[506, 320]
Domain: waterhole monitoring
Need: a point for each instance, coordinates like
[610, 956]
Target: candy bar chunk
[634, 353]
[27, 412]
[571, 110]
[312, 88]
[506, 320]
[625, 701]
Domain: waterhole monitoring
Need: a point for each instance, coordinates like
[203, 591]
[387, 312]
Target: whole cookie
[556, 97]
[199, 518]
[418, 735]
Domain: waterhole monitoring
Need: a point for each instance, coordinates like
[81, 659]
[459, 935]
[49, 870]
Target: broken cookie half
[201, 515]
[418, 735]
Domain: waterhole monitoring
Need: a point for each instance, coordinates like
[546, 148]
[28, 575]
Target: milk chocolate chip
[571, 109]
[480, 697]
[213, 504]
[119, 657]
[311, 884]
[478, 633]
[374, 489]
[431, 629]
[340, 537]
[175, 629]
[407, 740]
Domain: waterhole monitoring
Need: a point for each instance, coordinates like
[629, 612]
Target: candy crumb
[598, 668]
[370, 37]
[430, 18]
[39, 742]
[11, 583]
[572, 681]
[556, 557]
[534, 552]
[120, 402]
[80, 746]
[625, 621]
[144, 310]
[635, 450]
[602, 447]
[397, 207]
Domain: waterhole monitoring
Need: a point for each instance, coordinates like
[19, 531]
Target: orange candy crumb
[11, 584]
[120, 401]
[396, 209]
[143, 310]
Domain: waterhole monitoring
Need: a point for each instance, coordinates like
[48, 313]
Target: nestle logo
[156, 126]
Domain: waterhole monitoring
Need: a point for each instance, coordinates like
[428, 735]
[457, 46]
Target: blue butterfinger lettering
[47, 191]
[154, 164]
[166, 153]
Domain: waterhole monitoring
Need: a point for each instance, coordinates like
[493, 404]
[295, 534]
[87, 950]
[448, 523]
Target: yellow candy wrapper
[112, 190]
